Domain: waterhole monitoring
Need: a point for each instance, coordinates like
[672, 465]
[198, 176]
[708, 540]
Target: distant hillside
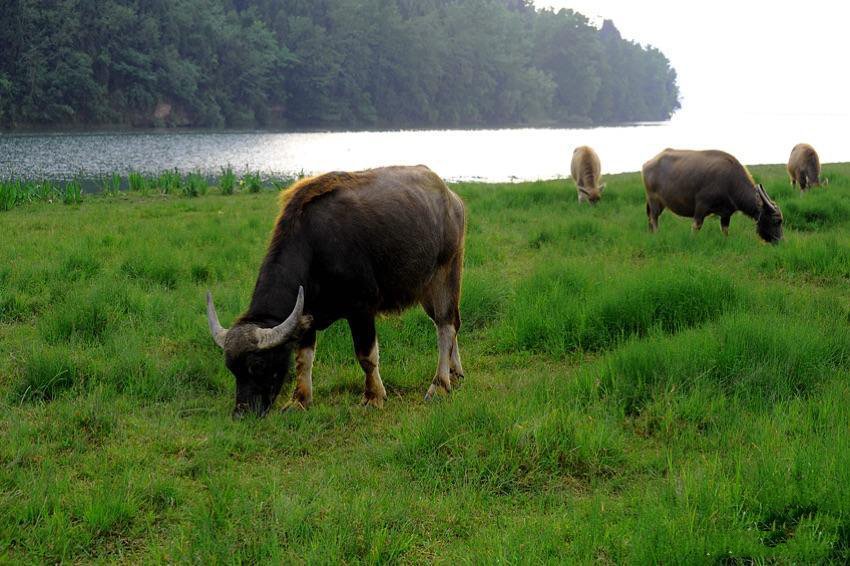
[321, 64]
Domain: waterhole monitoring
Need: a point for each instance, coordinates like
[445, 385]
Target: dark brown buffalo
[698, 183]
[348, 246]
[586, 171]
[804, 166]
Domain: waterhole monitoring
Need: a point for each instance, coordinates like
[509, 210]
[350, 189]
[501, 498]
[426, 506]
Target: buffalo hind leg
[302, 397]
[442, 379]
[441, 304]
[653, 211]
[724, 224]
[456, 368]
[366, 348]
[699, 217]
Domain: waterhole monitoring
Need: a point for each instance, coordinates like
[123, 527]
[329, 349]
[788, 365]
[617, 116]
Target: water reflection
[489, 155]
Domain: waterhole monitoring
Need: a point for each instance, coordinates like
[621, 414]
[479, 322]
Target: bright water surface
[487, 155]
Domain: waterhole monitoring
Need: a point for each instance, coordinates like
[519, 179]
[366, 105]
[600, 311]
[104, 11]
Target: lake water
[487, 155]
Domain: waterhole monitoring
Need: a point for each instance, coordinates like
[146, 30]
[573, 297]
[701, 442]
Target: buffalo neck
[281, 273]
[747, 201]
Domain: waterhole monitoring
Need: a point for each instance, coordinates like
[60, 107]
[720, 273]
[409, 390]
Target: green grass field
[630, 398]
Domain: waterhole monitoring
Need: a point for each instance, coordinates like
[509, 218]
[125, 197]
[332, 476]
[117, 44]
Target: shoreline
[168, 183]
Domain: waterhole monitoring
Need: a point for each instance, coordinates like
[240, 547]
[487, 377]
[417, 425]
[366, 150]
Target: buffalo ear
[602, 187]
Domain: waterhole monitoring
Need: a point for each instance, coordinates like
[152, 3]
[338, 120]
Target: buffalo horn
[218, 333]
[766, 199]
[271, 337]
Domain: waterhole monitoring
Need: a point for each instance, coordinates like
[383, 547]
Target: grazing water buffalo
[698, 183]
[587, 172]
[348, 245]
[804, 166]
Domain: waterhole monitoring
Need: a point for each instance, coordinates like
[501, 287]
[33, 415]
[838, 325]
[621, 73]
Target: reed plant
[227, 180]
[169, 182]
[138, 183]
[195, 185]
[251, 182]
[110, 185]
[71, 192]
[10, 194]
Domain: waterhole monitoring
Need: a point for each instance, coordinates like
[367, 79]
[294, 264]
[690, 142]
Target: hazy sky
[742, 56]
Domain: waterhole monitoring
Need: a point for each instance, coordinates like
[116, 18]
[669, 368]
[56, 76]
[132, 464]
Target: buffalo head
[769, 224]
[258, 357]
[813, 180]
[591, 195]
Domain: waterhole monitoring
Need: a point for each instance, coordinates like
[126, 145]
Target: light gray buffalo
[804, 166]
[586, 171]
[696, 184]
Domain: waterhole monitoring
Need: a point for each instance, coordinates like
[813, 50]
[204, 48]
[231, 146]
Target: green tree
[328, 63]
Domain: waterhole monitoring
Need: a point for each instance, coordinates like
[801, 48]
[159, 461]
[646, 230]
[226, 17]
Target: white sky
[742, 56]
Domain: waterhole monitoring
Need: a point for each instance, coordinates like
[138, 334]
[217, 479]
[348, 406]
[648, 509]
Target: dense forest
[320, 64]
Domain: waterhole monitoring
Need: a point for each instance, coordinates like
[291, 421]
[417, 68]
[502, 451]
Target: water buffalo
[804, 166]
[698, 183]
[587, 172]
[348, 246]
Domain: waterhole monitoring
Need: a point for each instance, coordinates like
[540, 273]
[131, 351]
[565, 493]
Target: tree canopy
[321, 63]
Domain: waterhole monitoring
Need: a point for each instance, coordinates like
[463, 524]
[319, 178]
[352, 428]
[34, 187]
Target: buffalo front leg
[724, 224]
[366, 349]
[302, 397]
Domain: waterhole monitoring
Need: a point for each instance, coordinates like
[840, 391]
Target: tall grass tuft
[227, 180]
[564, 307]
[110, 185]
[821, 257]
[44, 190]
[251, 182]
[815, 210]
[195, 185]
[169, 182]
[46, 373]
[15, 192]
[139, 183]
[11, 193]
[152, 266]
[71, 192]
[759, 360]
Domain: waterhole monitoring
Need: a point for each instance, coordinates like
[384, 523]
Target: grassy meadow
[630, 398]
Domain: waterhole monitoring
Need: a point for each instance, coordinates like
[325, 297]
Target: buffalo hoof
[295, 405]
[433, 390]
[457, 378]
[374, 400]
